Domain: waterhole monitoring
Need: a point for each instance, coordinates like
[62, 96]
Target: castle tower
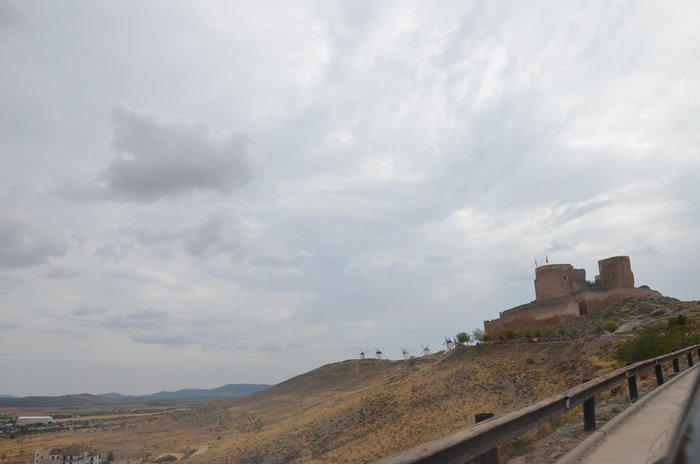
[557, 280]
[615, 272]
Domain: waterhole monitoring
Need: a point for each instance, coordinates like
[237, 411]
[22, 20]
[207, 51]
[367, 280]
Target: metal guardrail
[475, 441]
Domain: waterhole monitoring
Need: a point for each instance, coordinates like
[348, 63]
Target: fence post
[659, 374]
[690, 359]
[632, 384]
[676, 366]
[491, 456]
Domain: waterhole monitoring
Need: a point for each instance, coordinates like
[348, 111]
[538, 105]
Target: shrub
[678, 320]
[659, 339]
[610, 326]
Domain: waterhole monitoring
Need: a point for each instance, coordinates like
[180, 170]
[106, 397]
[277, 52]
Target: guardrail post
[632, 384]
[676, 366]
[659, 374]
[588, 412]
[589, 415]
[491, 456]
[690, 359]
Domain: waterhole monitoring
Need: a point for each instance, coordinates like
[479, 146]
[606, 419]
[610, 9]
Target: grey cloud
[22, 244]
[115, 251]
[281, 260]
[162, 154]
[437, 258]
[140, 319]
[62, 273]
[217, 233]
[556, 245]
[220, 232]
[9, 16]
[573, 211]
[9, 326]
[223, 232]
[89, 311]
[150, 237]
[168, 338]
[10, 279]
[648, 250]
[78, 241]
[271, 346]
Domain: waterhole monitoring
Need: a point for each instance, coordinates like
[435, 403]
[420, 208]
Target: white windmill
[426, 350]
[449, 344]
[362, 354]
[378, 353]
[404, 351]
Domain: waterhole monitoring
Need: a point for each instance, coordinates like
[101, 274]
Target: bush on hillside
[611, 326]
[660, 339]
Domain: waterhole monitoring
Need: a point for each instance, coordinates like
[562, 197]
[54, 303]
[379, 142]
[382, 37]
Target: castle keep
[562, 294]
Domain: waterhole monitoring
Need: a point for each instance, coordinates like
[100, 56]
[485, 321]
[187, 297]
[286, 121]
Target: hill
[223, 392]
[358, 410]
[85, 399]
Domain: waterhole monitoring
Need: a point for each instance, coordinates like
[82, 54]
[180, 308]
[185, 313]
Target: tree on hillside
[462, 338]
[478, 335]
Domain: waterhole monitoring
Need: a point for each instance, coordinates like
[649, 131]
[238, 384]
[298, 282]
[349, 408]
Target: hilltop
[359, 410]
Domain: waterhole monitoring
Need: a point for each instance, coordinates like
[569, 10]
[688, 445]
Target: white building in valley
[31, 420]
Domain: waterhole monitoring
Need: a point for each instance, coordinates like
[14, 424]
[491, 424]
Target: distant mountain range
[224, 392]
[232, 390]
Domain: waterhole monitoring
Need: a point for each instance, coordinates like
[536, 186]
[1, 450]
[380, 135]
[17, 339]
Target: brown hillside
[357, 411]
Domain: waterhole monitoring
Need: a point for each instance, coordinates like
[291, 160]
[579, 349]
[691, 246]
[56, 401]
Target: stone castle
[562, 294]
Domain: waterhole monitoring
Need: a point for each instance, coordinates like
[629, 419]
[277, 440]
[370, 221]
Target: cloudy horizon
[205, 193]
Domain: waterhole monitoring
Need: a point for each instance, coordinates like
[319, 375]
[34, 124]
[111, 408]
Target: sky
[199, 193]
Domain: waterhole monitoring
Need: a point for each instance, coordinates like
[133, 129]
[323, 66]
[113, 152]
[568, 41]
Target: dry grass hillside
[359, 410]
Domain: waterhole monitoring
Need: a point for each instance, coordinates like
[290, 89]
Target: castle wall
[534, 316]
[616, 272]
[557, 280]
[599, 300]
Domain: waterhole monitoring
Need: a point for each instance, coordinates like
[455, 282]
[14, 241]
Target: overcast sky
[198, 193]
